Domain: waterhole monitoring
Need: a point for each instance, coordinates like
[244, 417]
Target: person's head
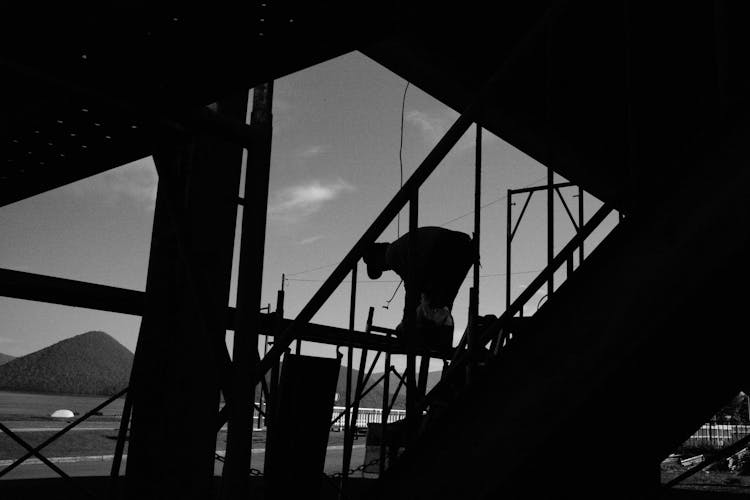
[375, 259]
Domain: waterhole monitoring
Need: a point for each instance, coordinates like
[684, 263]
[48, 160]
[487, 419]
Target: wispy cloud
[293, 203]
[6, 340]
[433, 125]
[311, 239]
[312, 151]
[135, 182]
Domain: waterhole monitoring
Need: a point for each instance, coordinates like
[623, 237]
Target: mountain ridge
[92, 363]
[4, 358]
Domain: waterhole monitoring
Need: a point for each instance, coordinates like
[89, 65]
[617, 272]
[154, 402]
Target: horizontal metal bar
[29, 286]
[381, 329]
[540, 188]
[331, 335]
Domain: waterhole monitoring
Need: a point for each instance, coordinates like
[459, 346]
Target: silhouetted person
[444, 257]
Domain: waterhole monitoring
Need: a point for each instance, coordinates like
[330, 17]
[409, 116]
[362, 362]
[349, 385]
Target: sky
[335, 164]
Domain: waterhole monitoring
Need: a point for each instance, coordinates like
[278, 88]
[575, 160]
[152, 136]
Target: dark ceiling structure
[644, 105]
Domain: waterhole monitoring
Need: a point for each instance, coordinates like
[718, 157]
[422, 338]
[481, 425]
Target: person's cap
[374, 258]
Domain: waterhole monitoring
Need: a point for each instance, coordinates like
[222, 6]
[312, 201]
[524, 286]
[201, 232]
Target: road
[100, 467]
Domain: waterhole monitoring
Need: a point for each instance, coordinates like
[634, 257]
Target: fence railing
[366, 416]
[717, 435]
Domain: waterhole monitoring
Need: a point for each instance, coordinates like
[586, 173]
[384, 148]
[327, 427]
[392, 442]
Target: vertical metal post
[473, 334]
[184, 317]
[348, 424]
[121, 436]
[550, 228]
[410, 327]
[386, 388]
[508, 241]
[580, 223]
[477, 204]
[273, 393]
[474, 293]
[235, 481]
[262, 418]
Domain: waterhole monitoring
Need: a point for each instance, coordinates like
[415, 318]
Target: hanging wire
[388, 302]
[401, 158]
[401, 184]
[492, 202]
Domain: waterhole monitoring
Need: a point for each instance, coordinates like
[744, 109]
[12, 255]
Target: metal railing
[366, 416]
[717, 435]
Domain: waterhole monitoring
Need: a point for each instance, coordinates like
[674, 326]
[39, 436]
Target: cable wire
[401, 158]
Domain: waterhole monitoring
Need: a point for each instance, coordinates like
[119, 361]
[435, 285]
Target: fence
[366, 416]
[717, 435]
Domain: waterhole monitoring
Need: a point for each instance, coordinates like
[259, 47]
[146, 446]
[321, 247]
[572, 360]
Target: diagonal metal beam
[32, 451]
[500, 324]
[36, 450]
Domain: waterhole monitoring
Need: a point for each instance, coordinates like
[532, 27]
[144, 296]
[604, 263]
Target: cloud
[6, 340]
[311, 239]
[434, 125]
[135, 182]
[312, 151]
[293, 203]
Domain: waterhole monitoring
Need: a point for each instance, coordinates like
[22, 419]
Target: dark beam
[235, 479]
[66, 292]
[541, 188]
[201, 119]
[181, 359]
[29, 286]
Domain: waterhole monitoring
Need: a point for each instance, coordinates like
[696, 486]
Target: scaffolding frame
[248, 368]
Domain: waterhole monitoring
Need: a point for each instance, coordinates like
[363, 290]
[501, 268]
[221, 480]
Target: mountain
[4, 358]
[90, 363]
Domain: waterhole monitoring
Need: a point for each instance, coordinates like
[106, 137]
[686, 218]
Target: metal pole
[550, 228]
[477, 204]
[410, 330]
[474, 293]
[384, 415]
[261, 418]
[235, 481]
[273, 394]
[473, 334]
[121, 436]
[508, 241]
[580, 223]
[348, 441]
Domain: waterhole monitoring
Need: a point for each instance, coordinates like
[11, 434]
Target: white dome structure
[62, 414]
